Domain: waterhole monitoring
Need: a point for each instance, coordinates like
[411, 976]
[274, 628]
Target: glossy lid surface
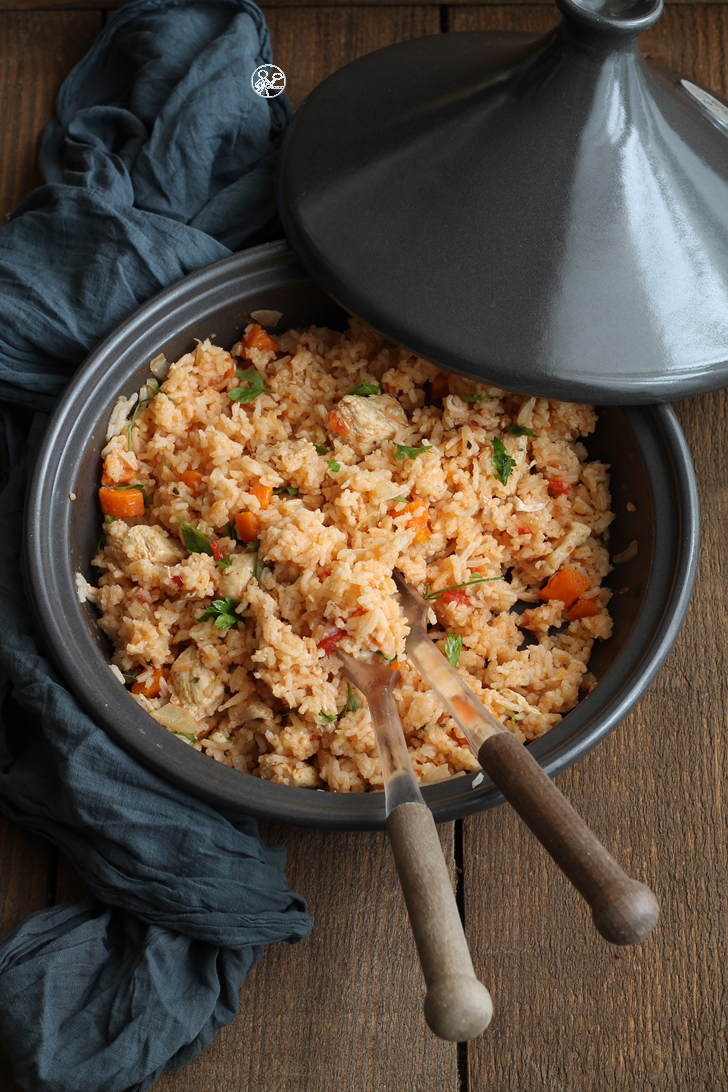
[547, 214]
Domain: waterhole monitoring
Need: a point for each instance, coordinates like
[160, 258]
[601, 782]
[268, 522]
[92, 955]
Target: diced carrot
[439, 387]
[263, 493]
[455, 595]
[328, 644]
[337, 423]
[193, 480]
[418, 511]
[557, 488]
[121, 503]
[582, 608]
[217, 551]
[566, 585]
[256, 338]
[152, 687]
[247, 526]
[118, 474]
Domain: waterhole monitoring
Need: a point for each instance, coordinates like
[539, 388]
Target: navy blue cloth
[159, 160]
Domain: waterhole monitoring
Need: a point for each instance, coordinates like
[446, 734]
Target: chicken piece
[129, 544]
[235, 579]
[255, 714]
[364, 423]
[195, 687]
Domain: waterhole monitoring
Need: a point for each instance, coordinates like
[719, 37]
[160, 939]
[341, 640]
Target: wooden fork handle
[457, 1006]
[624, 911]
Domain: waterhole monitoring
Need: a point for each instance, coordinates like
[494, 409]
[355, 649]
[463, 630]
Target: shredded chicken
[195, 687]
[128, 544]
[368, 422]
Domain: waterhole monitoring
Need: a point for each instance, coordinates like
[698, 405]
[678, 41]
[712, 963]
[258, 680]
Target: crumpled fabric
[159, 160]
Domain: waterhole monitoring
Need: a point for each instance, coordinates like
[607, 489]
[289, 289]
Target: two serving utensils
[457, 1006]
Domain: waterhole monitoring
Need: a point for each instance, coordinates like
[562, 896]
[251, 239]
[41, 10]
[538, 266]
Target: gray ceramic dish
[650, 467]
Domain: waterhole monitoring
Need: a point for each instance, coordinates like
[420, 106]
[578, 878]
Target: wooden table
[341, 1012]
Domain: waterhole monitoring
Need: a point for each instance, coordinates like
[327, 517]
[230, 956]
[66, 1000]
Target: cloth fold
[158, 161]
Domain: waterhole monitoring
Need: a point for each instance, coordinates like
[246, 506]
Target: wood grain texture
[311, 44]
[37, 50]
[342, 1010]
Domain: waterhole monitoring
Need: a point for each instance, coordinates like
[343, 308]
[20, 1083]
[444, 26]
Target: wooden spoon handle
[624, 911]
[457, 1006]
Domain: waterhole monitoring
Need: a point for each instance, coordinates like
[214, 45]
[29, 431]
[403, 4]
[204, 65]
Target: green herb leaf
[194, 540]
[333, 467]
[222, 613]
[403, 451]
[186, 735]
[131, 678]
[321, 449]
[254, 544]
[253, 385]
[472, 398]
[291, 490]
[229, 530]
[521, 430]
[224, 563]
[258, 570]
[364, 389]
[512, 719]
[453, 587]
[328, 717]
[109, 519]
[351, 706]
[502, 462]
[285, 713]
[453, 647]
[401, 500]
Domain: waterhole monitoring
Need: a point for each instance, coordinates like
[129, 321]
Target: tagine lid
[547, 214]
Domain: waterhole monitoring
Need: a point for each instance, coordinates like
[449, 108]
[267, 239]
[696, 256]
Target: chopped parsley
[472, 398]
[142, 402]
[254, 384]
[454, 587]
[259, 566]
[194, 540]
[405, 452]
[328, 717]
[453, 647]
[512, 719]
[254, 544]
[521, 430]
[224, 563]
[291, 490]
[502, 462]
[364, 389]
[400, 500]
[334, 467]
[378, 653]
[321, 449]
[109, 519]
[222, 613]
[130, 677]
[187, 735]
[351, 706]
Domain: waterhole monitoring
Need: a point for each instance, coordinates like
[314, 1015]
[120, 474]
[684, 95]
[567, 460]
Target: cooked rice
[263, 696]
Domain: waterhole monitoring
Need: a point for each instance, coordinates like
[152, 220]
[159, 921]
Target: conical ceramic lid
[546, 214]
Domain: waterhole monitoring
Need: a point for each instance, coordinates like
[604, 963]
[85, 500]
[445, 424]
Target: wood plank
[310, 45]
[341, 1011]
[37, 50]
